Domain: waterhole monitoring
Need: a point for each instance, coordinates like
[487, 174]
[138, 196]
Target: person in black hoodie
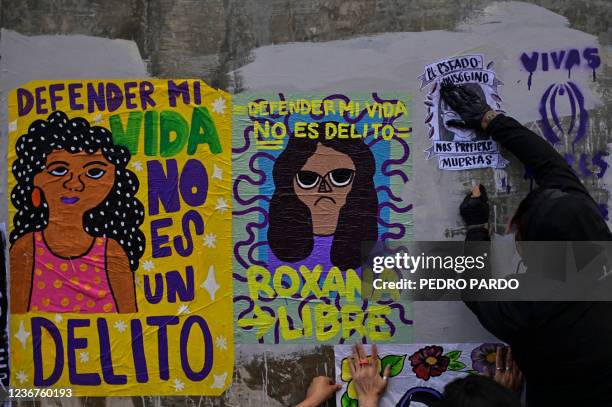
[563, 348]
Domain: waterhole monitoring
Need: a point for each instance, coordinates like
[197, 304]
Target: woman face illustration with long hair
[323, 184]
[323, 188]
[76, 239]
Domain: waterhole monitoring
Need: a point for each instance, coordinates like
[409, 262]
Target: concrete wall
[242, 45]
[210, 38]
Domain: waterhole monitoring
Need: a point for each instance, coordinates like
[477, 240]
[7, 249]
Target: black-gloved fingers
[469, 104]
[457, 123]
[454, 100]
[451, 96]
[475, 210]
[483, 193]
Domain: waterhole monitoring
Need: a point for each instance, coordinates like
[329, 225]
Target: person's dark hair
[290, 234]
[517, 222]
[521, 221]
[477, 391]
[118, 216]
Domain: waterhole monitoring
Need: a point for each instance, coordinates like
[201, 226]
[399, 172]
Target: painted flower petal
[436, 371]
[345, 371]
[422, 371]
[480, 366]
[443, 362]
[352, 392]
[481, 359]
[416, 358]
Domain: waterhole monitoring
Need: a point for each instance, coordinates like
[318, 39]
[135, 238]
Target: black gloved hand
[475, 210]
[468, 103]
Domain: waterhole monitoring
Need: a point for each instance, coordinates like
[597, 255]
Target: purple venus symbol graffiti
[563, 98]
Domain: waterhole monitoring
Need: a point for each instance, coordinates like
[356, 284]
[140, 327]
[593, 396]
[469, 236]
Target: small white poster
[457, 148]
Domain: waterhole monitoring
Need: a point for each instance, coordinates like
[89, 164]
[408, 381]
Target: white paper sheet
[419, 371]
[457, 148]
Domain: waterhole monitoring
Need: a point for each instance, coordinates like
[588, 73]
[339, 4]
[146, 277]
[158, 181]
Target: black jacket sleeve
[503, 319]
[549, 167]
[506, 320]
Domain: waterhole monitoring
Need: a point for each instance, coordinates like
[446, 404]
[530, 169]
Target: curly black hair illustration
[290, 233]
[118, 217]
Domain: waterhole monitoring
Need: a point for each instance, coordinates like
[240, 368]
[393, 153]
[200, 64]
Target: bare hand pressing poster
[458, 148]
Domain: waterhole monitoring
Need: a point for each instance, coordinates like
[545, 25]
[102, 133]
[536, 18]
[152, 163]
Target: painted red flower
[429, 362]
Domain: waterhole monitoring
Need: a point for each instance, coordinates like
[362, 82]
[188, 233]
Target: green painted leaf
[473, 372]
[454, 355]
[396, 362]
[346, 400]
[456, 365]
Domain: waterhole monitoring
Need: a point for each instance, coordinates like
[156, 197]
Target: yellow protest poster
[120, 229]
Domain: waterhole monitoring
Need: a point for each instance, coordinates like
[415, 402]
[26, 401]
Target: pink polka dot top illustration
[71, 285]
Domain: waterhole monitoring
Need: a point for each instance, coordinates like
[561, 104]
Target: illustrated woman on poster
[324, 207]
[76, 240]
